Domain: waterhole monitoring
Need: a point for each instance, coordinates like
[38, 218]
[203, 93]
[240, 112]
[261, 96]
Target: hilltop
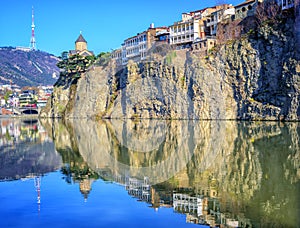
[27, 68]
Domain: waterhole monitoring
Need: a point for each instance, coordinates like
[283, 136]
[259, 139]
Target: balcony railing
[287, 6]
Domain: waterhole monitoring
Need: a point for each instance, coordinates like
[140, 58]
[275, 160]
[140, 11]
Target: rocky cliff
[255, 77]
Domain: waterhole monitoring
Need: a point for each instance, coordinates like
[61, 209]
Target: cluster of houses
[12, 97]
[197, 30]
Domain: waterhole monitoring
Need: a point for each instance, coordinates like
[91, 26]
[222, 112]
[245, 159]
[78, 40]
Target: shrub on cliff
[103, 58]
[74, 66]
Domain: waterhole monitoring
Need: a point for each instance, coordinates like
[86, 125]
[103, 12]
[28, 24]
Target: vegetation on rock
[74, 66]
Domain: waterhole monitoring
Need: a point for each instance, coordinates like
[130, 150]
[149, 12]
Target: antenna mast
[32, 40]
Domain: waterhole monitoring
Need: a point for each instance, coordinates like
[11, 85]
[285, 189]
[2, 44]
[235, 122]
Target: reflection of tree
[76, 170]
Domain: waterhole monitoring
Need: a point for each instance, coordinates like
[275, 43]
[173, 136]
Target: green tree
[74, 65]
[6, 96]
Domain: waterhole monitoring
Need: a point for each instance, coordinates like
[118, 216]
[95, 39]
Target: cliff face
[256, 77]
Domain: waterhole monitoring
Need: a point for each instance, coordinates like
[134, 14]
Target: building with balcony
[136, 47]
[162, 36]
[184, 32]
[196, 25]
[215, 17]
[245, 9]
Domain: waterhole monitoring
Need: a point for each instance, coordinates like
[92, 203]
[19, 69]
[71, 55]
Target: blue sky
[104, 24]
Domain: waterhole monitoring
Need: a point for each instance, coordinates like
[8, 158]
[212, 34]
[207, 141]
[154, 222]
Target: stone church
[81, 47]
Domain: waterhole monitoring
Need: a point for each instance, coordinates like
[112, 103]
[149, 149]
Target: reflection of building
[85, 187]
[142, 190]
[138, 188]
[187, 204]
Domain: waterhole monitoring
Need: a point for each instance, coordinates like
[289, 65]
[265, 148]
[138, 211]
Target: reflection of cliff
[280, 185]
[25, 150]
[264, 159]
[251, 168]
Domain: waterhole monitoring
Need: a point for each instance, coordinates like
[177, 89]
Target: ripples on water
[149, 173]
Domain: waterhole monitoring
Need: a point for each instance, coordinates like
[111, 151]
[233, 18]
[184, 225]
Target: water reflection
[227, 174]
[26, 150]
[217, 173]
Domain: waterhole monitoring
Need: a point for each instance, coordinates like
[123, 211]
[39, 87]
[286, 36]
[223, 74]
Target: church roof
[80, 39]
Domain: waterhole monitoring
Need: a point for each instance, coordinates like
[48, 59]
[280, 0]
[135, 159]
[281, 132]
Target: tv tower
[32, 40]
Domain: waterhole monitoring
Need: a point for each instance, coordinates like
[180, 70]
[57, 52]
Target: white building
[184, 32]
[135, 48]
[196, 25]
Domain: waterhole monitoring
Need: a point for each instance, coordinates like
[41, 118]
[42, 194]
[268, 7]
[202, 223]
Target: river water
[149, 173]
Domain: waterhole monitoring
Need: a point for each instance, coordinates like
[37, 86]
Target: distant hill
[27, 68]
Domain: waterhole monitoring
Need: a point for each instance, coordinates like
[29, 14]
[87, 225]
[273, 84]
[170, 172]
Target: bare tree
[267, 11]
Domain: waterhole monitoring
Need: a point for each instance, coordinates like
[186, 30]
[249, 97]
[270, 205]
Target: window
[162, 38]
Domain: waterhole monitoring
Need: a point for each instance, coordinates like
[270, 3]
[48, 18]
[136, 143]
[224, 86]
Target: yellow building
[81, 47]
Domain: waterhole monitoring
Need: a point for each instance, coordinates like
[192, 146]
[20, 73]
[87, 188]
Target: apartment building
[135, 48]
[215, 17]
[196, 25]
[184, 32]
[196, 30]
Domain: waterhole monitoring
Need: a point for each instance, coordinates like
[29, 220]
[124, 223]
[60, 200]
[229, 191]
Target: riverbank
[24, 116]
